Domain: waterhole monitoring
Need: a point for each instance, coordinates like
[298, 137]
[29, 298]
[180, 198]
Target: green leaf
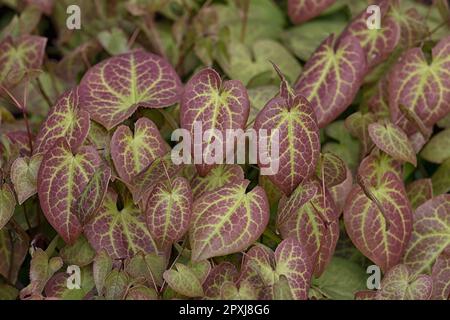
[114, 41]
[116, 285]
[24, 172]
[7, 204]
[80, 253]
[441, 178]
[101, 268]
[437, 149]
[184, 281]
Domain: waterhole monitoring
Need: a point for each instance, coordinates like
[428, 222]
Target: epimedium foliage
[87, 181]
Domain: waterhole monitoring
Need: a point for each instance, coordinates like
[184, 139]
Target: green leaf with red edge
[221, 273]
[437, 150]
[122, 233]
[358, 126]
[184, 281]
[331, 169]
[422, 86]
[391, 139]
[133, 153]
[400, 283]
[24, 172]
[7, 204]
[441, 277]
[431, 234]
[293, 262]
[227, 220]
[216, 105]
[377, 212]
[42, 268]
[168, 211]
[377, 43]
[419, 191]
[66, 120]
[300, 11]
[216, 178]
[13, 250]
[62, 177]
[332, 76]
[312, 220]
[441, 178]
[292, 118]
[19, 56]
[93, 194]
[112, 90]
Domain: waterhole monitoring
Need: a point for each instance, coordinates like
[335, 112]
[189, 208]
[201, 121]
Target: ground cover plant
[93, 205]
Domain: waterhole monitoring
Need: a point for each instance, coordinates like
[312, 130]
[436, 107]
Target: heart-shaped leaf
[66, 120]
[214, 105]
[421, 86]
[62, 177]
[216, 178]
[168, 212]
[18, 56]
[412, 24]
[112, 90]
[122, 233]
[441, 277]
[293, 119]
[437, 150]
[24, 173]
[332, 76]
[223, 272]
[133, 153]
[377, 212]
[377, 43]
[7, 204]
[400, 284]
[184, 281]
[419, 191]
[431, 234]
[358, 126]
[227, 220]
[303, 10]
[80, 253]
[314, 222]
[331, 169]
[392, 140]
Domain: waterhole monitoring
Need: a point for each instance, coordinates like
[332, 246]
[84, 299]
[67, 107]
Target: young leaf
[184, 281]
[431, 234]
[216, 178]
[216, 105]
[419, 191]
[24, 172]
[377, 212]
[62, 177]
[421, 86]
[377, 43]
[122, 233]
[7, 204]
[358, 126]
[112, 90]
[227, 220]
[300, 11]
[299, 143]
[400, 284]
[441, 277]
[169, 210]
[392, 140]
[437, 149]
[93, 194]
[66, 120]
[332, 76]
[18, 56]
[133, 153]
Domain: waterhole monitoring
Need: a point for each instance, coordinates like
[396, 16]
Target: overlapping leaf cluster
[87, 181]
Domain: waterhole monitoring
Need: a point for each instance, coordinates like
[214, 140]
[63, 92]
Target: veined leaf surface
[419, 191]
[7, 204]
[220, 274]
[227, 220]
[216, 178]
[112, 90]
[24, 173]
[62, 177]
[303, 10]
[332, 76]
[441, 277]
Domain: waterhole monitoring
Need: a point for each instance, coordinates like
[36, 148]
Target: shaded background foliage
[86, 178]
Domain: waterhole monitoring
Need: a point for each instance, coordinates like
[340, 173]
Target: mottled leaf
[80, 253]
[300, 11]
[223, 272]
[24, 173]
[116, 285]
[441, 277]
[112, 90]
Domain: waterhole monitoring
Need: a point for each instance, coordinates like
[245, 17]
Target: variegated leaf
[217, 106]
[112, 90]
[227, 220]
[62, 177]
[431, 234]
[303, 10]
[132, 153]
[169, 209]
[24, 173]
[332, 76]
[392, 140]
[122, 233]
[65, 119]
[220, 274]
[377, 212]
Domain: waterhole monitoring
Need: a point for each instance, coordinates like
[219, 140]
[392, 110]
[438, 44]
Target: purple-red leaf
[419, 191]
[441, 277]
[303, 10]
